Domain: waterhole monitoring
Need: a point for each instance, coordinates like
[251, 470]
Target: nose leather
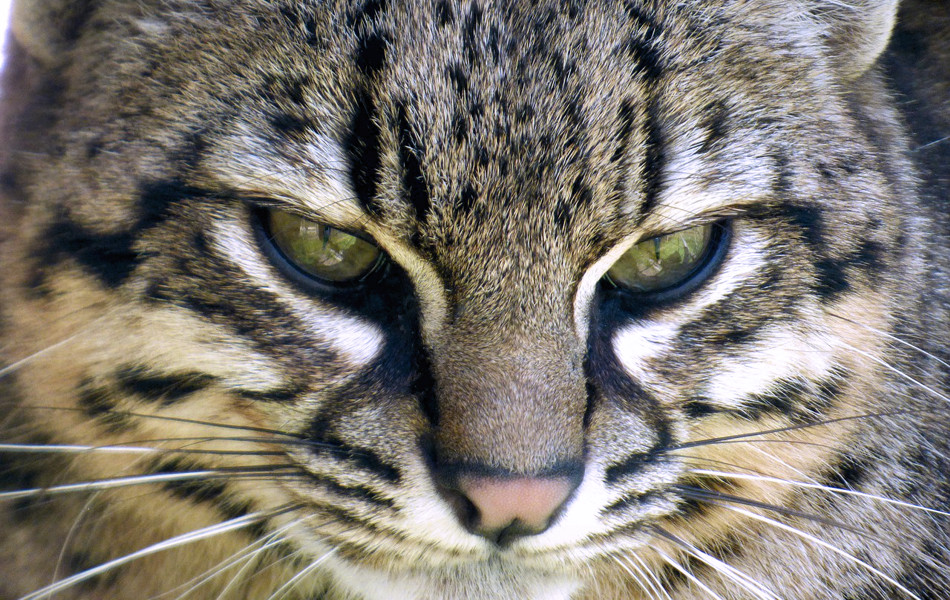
[514, 507]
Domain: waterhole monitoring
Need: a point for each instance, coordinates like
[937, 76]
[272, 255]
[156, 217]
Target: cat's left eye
[668, 264]
[320, 251]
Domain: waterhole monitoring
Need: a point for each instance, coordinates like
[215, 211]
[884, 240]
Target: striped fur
[182, 419]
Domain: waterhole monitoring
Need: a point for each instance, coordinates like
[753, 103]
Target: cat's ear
[46, 29]
[856, 31]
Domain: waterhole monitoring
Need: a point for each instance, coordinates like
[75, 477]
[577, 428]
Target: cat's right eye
[668, 266]
[320, 251]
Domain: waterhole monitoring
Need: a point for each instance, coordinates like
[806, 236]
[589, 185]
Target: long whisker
[897, 371]
[72, 532]
[931, 144]
[686, 573]
[123, 413]
[650, 575]
[737, 576]
[628, 567]
[823, 544]
[719, 498]
[776, 459]
[250, 561]
[119, 448]
[104, 484]
[293, 581]
[14, 366]
[797, 427]
[890, 336]
[175, 542]
[246, 555]
[75, 449]
[834, 490]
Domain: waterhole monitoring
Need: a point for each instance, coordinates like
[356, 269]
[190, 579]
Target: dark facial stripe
[368, 12]
[799, 399]
[634, 501]
[806, 220]
[211, 492]
[654, 161]
[833, 275]
[848, 471]
[625, 117]
[609, 383]
[444, 14]
[101, 404]
[637, 463]
[371, 53]
[371, 43]
[163, 388]
[643, 46]
[110, 257]
[715, 124]
[782, 398]
[470, 32]
[362, 149]
[359, 493]
[288, 125]
[328, 446]
[279, 396]
[410, 149]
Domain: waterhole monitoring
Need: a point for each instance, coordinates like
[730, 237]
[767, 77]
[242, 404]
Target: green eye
[666, 261]
[322, 251]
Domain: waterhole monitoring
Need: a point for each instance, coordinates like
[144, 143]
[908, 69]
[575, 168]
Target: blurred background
[4, 19]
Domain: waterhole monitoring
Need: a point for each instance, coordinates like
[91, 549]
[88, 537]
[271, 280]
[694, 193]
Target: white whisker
[72, 532]
[73, 449]
[246, 555]
[676, 565]
[737, 576]
[897, 371]
[650, 575]
[823, 544]
[293, 581]
[816, 486]
[637, 578]
[17, 364]
[104, 484]
[891, 336]
[180, 540]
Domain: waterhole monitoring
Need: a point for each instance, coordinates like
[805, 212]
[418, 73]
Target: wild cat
[482, 300]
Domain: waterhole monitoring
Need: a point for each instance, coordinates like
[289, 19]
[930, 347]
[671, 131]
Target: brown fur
[503, 155]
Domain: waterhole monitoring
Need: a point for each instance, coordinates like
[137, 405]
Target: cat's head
[472, 284]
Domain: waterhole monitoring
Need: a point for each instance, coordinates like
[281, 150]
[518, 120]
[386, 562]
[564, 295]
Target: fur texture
[185, 416]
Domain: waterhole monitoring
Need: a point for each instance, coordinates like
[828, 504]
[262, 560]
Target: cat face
[496, 301]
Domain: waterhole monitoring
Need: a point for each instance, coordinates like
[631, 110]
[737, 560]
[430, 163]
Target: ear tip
[30, 32]
[44, 27]
[860, 33]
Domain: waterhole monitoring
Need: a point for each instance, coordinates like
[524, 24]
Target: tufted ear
[857, 31]
[45, 29]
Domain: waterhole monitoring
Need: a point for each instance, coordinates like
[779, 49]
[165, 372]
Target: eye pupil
[320, 251]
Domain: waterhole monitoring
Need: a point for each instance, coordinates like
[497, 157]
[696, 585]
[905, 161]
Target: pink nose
[513, 507]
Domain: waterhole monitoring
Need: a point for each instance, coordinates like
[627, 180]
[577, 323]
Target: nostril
[465, 510]
[503, 509]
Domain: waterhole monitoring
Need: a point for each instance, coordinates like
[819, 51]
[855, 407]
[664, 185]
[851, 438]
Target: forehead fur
[527, 137]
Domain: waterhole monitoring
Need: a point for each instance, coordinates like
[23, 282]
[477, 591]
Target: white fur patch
[782, 353]
[492, 579]
[310, 180]
[635, 345]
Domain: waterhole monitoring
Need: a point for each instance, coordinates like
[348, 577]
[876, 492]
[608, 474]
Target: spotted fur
[181, 419]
